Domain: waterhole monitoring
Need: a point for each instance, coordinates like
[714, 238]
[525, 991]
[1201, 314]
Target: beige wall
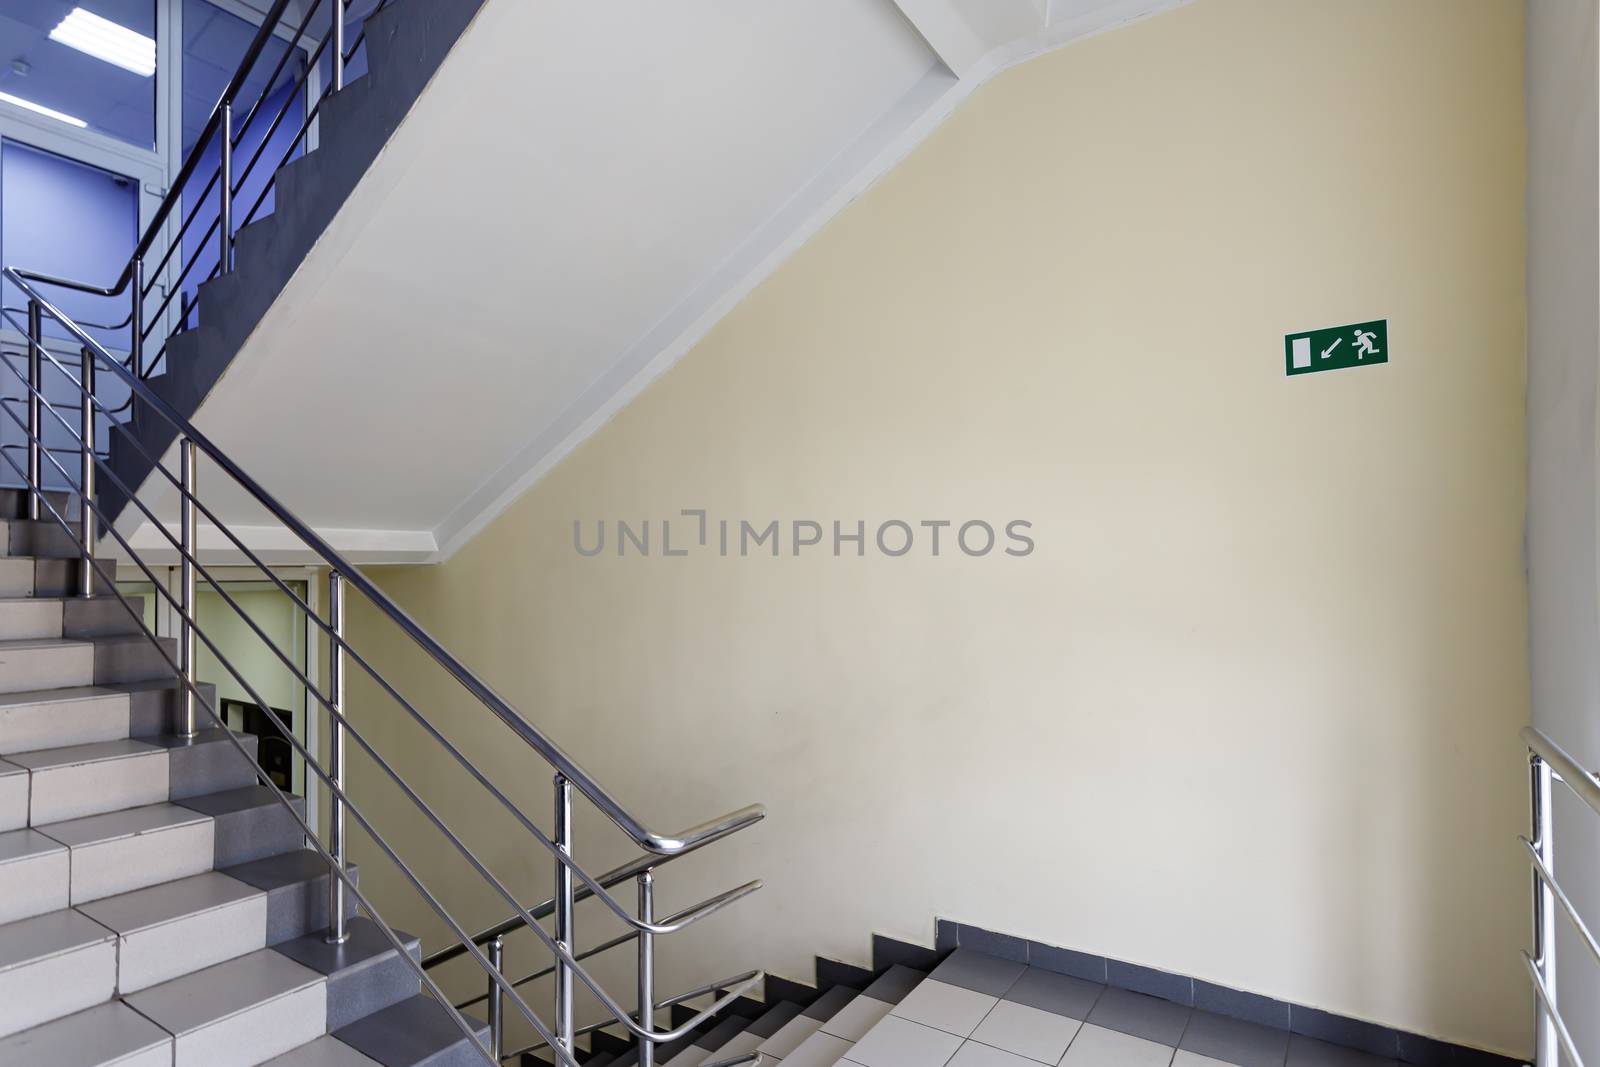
[1249, 711]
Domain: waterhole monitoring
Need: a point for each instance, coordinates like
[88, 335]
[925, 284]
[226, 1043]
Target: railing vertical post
[497, 1000]
[563, 913]
[338, 44]
[86, 472]
[225, 190]
[337, 931]
[136, 320]
[647, 968]
[189, 544]
[35, 425]
[1547, 1049]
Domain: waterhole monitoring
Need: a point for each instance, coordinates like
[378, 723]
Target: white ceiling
[583, 190]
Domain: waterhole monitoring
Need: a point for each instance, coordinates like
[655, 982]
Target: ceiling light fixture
[107, 40]
[40, 109]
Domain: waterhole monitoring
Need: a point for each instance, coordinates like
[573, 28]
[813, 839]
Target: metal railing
[1548, 764]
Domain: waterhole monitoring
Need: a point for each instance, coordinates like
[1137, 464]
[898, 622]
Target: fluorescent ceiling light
[107, 40]
[40, 109]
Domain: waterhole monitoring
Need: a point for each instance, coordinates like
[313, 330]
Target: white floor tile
[1185, 1058]
[897, 1042]
[818, 1050]
[948, 1007]
[1038, 1035]
[852, 1021]
[974, 1054]
[1095, 1046]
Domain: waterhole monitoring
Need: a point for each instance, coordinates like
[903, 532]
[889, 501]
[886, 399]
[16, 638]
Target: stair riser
[20, 619]
[63, 793]
[356, 995]
[13, 799]
[30, 727]
[53, 577]
[38, 992]
[134, 660]
[33, 886]
[49, 667]
[254, 1036]
[210, 768]
[104, 869]
[16, 577]
[101, 616]
[45, 539]
[149, 957]
[243, 836]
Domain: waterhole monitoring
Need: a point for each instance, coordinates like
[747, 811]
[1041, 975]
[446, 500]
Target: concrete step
[168, 930]
[79, 780]
[34, 875]
[296, 884]
[414, 1032]
[751, 1036]
[249, 824]
[16, 577]
[325, 1051]
[14, 502]
[45, 663]
[107, 1035]
[365, 974]
[23, 617]
[54, 718]
[125, 850]
[43, 538]
[53, 965]
[33, 616]
[239, 1013]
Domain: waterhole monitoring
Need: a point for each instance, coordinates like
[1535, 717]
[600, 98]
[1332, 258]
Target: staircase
[157, 906]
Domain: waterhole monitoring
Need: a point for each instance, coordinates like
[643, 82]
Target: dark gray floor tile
[979, 972]
[1235, 1041]
[1339, 1030]
[1001, 946]
[1057, 993]
[1139, 1015]
[1309, 1052]
[827, 1006]
[1251, 1007]
[892, 986]
[1174, 987]
[1066, 961]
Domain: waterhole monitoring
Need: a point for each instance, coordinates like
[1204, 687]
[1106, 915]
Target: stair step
[34, 875]
[296, 884]
[239, 1013]
[167, 930]
[43, 538]
[250, 823]
[323, 1052]
[52, 577]
[16, 577]
[208, 762]
[365, 974]
[23, 617]
[13, 796]
[415, 1031]
[14, 502]
[125, 850]
[53, 965]
[770, 1022]
[54, 718]
[45, 663]
[107, 1035]
[79, 780]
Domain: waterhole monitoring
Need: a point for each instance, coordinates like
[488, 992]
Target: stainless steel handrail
[567, 774]
[1549, 763]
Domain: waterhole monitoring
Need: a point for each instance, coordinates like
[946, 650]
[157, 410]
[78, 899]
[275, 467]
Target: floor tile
[978, 972]
[948, 1007]
[974, 1054]
[902, 1043]
[1185, 1058]
[1309, 1052]
[893, 985]
[1058, 993]
[818, 1050]
[1038, 1035]
[1135, 1014]
[1235, 1041]
[853, 1020]
[1096, 1046]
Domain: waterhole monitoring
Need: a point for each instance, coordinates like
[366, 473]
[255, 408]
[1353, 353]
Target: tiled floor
[979, 1011]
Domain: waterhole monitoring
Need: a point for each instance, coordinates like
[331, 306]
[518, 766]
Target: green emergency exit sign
[1360, 344]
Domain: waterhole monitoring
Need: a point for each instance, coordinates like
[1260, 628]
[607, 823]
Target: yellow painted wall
[1248, 712]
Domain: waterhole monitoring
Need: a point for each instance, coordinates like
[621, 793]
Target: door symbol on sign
[1364, 344]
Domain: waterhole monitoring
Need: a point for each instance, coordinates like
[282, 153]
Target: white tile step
[240, 1013]
[45, 663]
[125, 850]
[169, 930]
[54, 718]
[13, 796]
[53, 965]
[27, 616]
[107, 1035]
[34, 875]
[323, 1052]
[78, 780]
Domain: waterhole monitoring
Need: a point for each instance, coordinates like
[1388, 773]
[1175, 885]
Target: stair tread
[275, 872]
[366, 946]
[26, 844]
[41, 759]
[28, 644]
[165, 902]
[104, 1034]
[129, 822]
[327, 1051]
[229, 801]
[407, 1032]
[65, 695]
[41, 937]
[184, 1005]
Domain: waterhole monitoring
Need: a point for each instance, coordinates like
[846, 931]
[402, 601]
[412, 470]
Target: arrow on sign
[1326, 352]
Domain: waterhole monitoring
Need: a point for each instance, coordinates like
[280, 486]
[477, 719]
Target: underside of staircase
[157, 904]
